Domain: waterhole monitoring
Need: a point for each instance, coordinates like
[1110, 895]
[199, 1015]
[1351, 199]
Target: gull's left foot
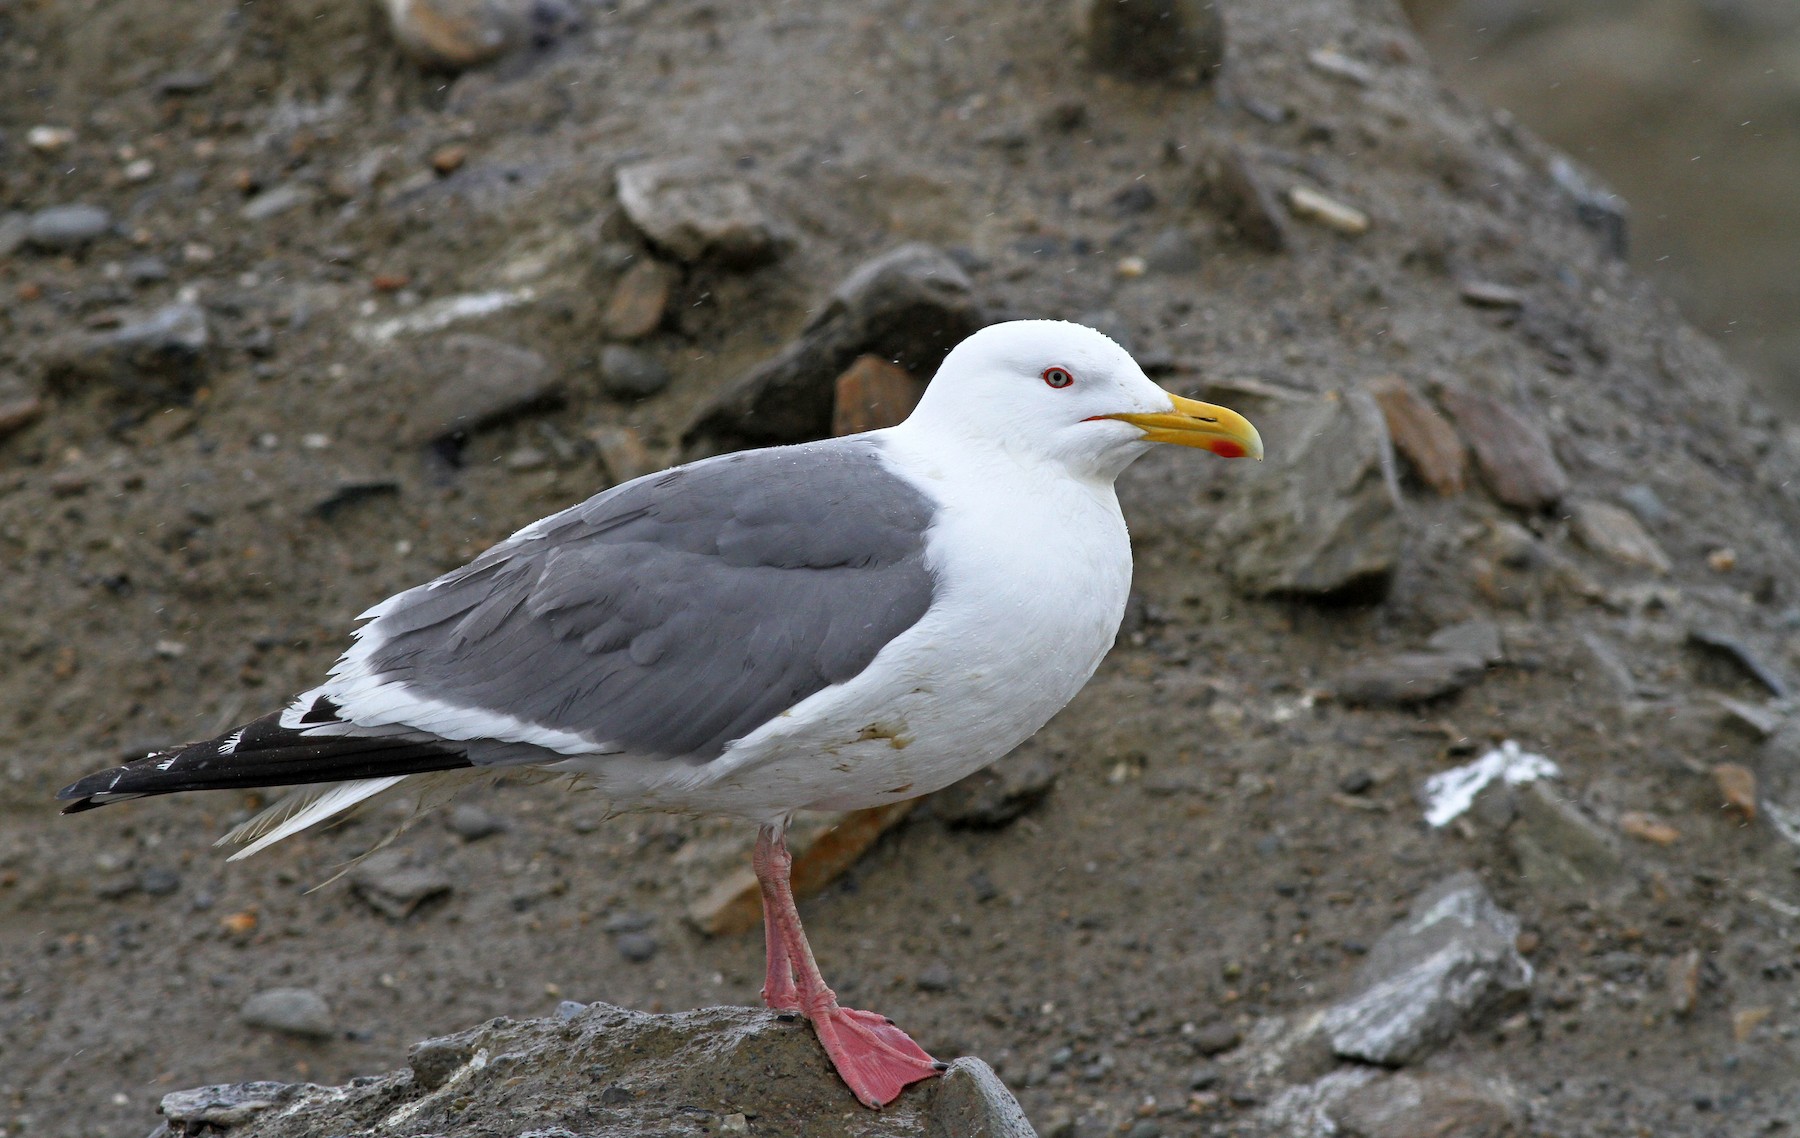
[876, 1059]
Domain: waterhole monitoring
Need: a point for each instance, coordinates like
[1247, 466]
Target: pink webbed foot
[874, 1058]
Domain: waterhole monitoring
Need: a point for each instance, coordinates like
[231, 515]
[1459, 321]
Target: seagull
[831, 626]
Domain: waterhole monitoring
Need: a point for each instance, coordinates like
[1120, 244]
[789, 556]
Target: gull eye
[1058, 377]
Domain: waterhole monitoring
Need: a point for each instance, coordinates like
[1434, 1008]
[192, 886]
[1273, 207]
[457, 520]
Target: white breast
[1033, 573]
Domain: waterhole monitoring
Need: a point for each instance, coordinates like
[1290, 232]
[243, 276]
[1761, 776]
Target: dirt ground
[1225, 840]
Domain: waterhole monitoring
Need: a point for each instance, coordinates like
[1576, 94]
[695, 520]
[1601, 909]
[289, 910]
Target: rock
[613, 1071]
[627, 373]
[636, 947]
[622, 452]
[640, 300]
[1174, 250]
[163, 352]
[1777, 785]
[714, 866]
[1428, 1106]
[46, 139]
[1324, 523]
[1596, 207]
[695, 213]
[1215, 1038]
[390, 885]
[1559, 847]
[15, 230]
[1477, 638]
[1409, 678]
[1422, 436]
[471, 823]
[345, 492]
[1310, 205]
[291, 1011]
[909, 306]
[63, 228]
[873, 394]
[1237, 189]
[568, 1009]
[277, 200]
[1737, 789]
[1645, 503]
[17, 414]
[1330, 61]
[970, 1101]
[1731, 651]
[998, 793]
[452, 35]
[463, 382]
[159, 882]
[1451, 962]
[225, 1106]
[433, 1061]
[1174, 40]
[1514, 455]
[1648, 827]
[1490, 294]
[1682, 979]
[935, 977]
[1612, 532]
[146, 270]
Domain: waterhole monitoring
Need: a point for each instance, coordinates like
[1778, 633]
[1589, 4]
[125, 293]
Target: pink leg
[876, 1059]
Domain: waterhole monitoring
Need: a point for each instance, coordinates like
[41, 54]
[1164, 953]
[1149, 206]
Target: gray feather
[673, 614]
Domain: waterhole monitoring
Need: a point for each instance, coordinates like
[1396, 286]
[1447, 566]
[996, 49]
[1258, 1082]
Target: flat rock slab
[1513, 453]
[608, 1072]
[1450, 962]
[1428, 1106]
[909, 306]
[156, 353]
[1410, 678]
[1422, 436]
[465, 382]
[1322, 521]
[1560, 849]
[696, 213]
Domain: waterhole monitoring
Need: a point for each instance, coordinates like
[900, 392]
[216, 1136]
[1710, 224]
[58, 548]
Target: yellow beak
[1195, 424]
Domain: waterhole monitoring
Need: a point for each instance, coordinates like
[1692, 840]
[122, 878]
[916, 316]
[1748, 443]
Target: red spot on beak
[1225, 448]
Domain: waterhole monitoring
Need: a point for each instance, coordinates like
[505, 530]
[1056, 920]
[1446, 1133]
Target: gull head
[1052, 391]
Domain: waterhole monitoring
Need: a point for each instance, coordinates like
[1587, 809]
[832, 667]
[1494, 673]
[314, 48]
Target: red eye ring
[1058, 377]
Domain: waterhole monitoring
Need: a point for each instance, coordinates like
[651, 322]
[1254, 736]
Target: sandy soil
[1201, 859]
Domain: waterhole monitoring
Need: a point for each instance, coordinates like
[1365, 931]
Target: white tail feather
[305, 807]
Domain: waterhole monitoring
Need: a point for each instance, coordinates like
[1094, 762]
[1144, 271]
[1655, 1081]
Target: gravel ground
[256, 396]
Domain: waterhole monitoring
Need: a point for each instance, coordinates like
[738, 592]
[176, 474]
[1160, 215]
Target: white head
[1059, 392]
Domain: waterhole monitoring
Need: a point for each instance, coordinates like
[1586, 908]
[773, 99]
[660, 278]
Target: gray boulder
[607, 1072]
[1449, 963]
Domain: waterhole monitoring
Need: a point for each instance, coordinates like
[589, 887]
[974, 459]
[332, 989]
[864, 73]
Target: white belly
[1032, 588]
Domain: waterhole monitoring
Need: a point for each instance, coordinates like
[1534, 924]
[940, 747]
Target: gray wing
[673, 614]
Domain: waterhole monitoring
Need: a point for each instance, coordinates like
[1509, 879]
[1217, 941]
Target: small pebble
[569, 1009]
[636, 947]
[1356, 782]
[49, 139]
[628, 373]
[935, 977]
[291, 1011]
[146, 270]
[1215, 1037]
[628, 921]
[1204, 1077]
[159, 882]
[1311, 205]
[471, 823]
[734, 1124]
[65, 227]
